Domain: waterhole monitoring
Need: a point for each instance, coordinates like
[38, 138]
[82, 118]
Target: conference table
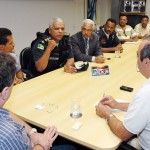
[46, 100]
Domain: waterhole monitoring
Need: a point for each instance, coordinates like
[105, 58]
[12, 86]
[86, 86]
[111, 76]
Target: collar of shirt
[107, 35]
[57, 44]
[87, 39]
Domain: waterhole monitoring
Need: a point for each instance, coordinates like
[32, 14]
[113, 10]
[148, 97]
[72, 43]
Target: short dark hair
[144, 16]
[4, 32]
[7, 70]
[145, 52]
[122, 15]
[111, 20]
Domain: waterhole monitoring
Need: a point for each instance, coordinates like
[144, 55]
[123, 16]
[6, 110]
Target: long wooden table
[55, 90]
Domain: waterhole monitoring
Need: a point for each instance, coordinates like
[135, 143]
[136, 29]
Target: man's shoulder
[118, 26]
[128, 27]
[76, 35]
[40, 41]
[3, 112]
[114, 33]
[148, 25]
[100, 32]
[138, 26]
[94, 36]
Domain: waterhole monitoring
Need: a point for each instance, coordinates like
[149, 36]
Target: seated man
[51, 50]
[125, 32]
[85, 44]
[7, 45]
[15, 134]
[108, 39]
[142, 29]
[137, 120]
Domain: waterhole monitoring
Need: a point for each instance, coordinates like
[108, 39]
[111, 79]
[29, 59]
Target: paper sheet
[131, 42]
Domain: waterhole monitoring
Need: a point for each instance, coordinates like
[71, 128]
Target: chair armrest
[29, 74]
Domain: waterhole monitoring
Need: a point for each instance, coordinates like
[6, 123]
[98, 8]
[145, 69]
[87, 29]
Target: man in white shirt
[143, 28]
[125, 32]
[137, 120]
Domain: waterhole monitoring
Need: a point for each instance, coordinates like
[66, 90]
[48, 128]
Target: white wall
[26, 17]
[147, 8]
[105, 10]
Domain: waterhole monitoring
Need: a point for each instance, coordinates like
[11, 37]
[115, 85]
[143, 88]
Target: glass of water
[117, 54]
[75, 108]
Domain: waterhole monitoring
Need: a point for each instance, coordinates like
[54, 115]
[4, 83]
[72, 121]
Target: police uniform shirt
[107, 42]
[58, 56]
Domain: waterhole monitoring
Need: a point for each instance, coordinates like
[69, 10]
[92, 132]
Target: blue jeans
[64, 147]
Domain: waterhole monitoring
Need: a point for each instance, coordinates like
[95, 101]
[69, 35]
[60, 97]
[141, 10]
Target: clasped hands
[102, 109]
[46, 139]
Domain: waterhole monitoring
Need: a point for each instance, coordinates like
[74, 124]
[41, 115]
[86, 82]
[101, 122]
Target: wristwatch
[33, 130]
[111, 115]
[22, 79]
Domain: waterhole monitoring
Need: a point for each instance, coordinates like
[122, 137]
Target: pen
[103, 94]
[102, 97]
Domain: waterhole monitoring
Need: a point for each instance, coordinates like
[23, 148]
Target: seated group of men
[51, 51]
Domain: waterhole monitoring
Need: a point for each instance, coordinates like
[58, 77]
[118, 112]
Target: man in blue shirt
[15, 134]
[108, 39]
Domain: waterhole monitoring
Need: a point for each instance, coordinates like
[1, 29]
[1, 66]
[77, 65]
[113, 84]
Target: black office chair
[27, 63]
[125, 146]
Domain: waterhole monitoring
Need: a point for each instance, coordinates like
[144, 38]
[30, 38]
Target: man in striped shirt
[125, 32]
[15, 134]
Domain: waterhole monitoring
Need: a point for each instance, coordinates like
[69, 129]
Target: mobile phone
[126, 88]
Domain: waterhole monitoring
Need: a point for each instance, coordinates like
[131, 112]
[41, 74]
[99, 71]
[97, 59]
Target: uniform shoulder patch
[40, 46]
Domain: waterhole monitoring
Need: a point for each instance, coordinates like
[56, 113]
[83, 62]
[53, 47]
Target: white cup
[117, 54]
[75, 108]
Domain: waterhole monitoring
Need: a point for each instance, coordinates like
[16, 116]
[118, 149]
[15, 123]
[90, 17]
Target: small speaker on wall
[142, 5]
[135, 5]
[127, 5]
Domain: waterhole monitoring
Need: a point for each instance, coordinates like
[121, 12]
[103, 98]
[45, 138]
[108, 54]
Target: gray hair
[56, 19]
[145, 52]
[89, 21]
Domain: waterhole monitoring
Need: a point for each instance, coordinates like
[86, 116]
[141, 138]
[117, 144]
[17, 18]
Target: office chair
[26, 61]
[125, 146]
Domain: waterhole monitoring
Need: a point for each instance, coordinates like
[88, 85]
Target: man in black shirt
[51, 49]
[108, 39]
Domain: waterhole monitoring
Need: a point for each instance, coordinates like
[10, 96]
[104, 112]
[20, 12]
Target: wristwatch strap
[107, 119]
[33, 130]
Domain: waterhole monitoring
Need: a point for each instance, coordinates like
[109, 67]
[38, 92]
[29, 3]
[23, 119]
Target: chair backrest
[26, 59]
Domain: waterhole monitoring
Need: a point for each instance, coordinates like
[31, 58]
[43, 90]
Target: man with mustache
[108, 39]
[125, 32]
[143, 28]
[51, 49]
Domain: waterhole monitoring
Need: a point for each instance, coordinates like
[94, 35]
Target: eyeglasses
[87, 30]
